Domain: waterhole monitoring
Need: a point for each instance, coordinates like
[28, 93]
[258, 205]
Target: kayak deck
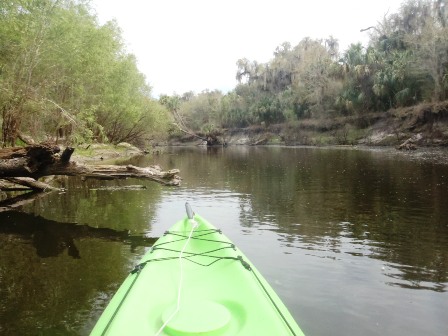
[221, 292]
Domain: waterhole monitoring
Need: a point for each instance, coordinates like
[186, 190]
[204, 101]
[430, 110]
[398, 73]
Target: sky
[193, 45]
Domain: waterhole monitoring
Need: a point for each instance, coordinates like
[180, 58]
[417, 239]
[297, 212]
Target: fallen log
[118, 188]
[407, 146]
[30, 183]
[41, 160]
[8, 186]
[210, 139]
[25, 161]
[261, 141]
[111, 172]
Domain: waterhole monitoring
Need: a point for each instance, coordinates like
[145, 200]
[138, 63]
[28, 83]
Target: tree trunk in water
[24, 165]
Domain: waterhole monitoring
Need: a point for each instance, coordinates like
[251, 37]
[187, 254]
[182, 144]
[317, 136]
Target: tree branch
[44, 160]
[189, 132]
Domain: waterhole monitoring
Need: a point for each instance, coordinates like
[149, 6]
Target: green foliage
[63, 75]
[414, 45]
[172, 103]
[202, 110]
[233, 111]
[300, 81]
[405, 63]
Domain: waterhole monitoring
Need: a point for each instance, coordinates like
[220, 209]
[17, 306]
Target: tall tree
[22, 33]
[62, 74]
[313, 80]
[420, 29]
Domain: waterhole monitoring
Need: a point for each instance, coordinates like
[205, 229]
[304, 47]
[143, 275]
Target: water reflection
[51, 238]
[362, 203]
[63, 259]
[106, 204]
[358, 236]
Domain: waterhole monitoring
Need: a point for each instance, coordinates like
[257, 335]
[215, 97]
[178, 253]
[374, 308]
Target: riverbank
[424, 125]
[105, 153]
[420, 125]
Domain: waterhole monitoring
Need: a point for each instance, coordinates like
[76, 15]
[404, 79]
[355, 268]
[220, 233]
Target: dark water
[354, 241]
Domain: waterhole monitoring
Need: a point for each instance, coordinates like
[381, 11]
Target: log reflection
[51, 238]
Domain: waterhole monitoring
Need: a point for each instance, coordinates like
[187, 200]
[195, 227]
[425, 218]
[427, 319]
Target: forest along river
[355, 241]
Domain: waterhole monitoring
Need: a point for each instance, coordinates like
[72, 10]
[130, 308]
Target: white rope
[194, 225]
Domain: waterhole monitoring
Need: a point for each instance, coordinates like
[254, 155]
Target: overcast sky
[193, 45]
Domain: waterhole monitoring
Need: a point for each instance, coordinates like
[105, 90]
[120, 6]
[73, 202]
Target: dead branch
[30, 183]
[111, 172]
[189, 132]
[37, 161]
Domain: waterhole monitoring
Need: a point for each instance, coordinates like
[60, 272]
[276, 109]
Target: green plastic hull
[221, 291]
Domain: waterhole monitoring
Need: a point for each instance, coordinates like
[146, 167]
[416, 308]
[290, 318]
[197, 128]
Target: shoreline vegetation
[66, 79]
[424, 125]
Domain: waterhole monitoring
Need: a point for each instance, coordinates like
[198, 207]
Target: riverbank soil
[420, 125]
[105, 153]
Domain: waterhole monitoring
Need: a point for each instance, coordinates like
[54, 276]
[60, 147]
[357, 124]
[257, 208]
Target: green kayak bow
[195, 281]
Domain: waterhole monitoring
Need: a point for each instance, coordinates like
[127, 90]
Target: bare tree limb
[31, 183]
[189, 132]
[44, 160]
[368, 28]
[111, 172]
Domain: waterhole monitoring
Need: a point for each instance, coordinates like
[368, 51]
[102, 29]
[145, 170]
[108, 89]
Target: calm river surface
[354, 241]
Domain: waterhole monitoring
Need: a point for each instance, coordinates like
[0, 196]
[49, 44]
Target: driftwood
[261, 141]
[407, 146]
[410, 144]
[25, 165]
[210, 139]
[111, 172]
[8, 186]
[118, 188]
[30, 183]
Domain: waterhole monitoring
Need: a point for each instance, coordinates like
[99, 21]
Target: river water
[355, 241]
